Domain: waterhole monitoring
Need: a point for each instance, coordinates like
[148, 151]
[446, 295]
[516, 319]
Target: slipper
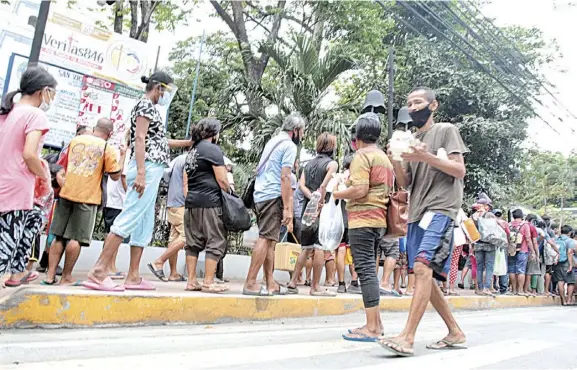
[359, 337]
[292, 290]
[331, 285]
[48, 283]
[143, 285]
[76, 283]
[117, 275]
[386, 344]
[196, 288]
[358, 330]
[282, 290]
[179, 279]
[452, 293]
[324, 293]
[25, 280]
[390, 293]
[106, 285]
[445, 344]
[263, 292]
[214, 288]
[159, 274]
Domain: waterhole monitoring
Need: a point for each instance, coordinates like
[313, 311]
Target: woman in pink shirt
[23, 126]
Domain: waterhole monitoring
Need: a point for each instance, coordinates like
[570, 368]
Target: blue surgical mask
[164, 99]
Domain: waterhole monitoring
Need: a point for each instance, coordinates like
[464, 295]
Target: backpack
[561, 245]
[515, 239]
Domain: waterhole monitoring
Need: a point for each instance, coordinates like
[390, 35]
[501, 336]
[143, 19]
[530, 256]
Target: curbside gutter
[29, 307]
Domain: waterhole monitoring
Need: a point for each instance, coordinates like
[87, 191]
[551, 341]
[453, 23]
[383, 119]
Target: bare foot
[364, 329]
[97, 274]
[193, 286]
[397, 345]
[67, 281]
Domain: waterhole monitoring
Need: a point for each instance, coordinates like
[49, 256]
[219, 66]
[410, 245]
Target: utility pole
[39, 32]
[391, 92]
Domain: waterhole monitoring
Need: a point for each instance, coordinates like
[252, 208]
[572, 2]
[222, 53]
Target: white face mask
[44, 105]
[164, 99]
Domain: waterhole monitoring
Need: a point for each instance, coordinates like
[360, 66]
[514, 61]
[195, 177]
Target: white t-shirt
[115, 193]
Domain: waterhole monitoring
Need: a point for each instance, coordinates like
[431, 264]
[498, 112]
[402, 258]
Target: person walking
[316, 176]
[149, 158]
[23, 127]
[367, 195]
[89, 157]
[434, 171]
[177, 181]
[273, 203]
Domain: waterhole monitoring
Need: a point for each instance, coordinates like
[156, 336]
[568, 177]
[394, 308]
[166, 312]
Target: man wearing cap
[484, 252]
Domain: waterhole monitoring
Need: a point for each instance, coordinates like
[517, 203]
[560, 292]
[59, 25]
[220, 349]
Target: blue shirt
[175, 197]
[267, 185]
[564, 247]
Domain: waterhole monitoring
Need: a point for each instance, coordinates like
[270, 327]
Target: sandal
[263, 292]
[179, 279]
[396, 348]
[48, 283]
[195, 287]
[446, 344]
[159, 274]
[324, 293]
[359, 337]
[30, 276]
[214, 288]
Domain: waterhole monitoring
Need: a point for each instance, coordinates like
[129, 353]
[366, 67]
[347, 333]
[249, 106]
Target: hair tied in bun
[145, 79]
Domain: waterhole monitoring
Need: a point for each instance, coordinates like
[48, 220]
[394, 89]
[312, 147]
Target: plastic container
[400, 143]
[312, 210]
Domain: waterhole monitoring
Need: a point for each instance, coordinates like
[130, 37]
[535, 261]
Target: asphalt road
[532, 338]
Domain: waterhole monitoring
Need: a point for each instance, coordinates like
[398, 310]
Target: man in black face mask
[434, 171]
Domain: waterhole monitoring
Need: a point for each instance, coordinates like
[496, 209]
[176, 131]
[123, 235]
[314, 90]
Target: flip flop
[358, 330]
[159, 274]
[76, 283]
[359, 337]
[292, 290]
[196, 288]
[106, 285]
[117, 275]
[24, 280]
[143, 285]
[386, 344]
[180, 279]
[282, 290]
[324, 293]
[215, 288]
[48, 283]
[444, 344]
[263, 292]
[390, 293]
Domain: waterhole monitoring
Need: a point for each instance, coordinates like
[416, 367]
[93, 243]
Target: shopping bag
[331, 225]
[459, 237]
[500, 267]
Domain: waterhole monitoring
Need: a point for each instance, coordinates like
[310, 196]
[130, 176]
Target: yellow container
[348, 257]
[285, 256]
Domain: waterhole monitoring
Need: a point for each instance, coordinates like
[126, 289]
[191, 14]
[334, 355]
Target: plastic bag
[491, 232]
[500, 267]
[250, 237]
[331, 226]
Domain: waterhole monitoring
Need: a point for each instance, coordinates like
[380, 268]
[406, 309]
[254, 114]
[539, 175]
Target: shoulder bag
[397, 212]
[248, 195]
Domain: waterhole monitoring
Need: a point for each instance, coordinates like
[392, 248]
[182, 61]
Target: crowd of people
[90, 175]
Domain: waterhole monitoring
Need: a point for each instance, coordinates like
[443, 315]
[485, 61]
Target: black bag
[104, 182]
[248, 194]
[235, 216]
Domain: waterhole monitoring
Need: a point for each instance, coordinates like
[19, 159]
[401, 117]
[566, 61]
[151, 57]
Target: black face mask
[420, 117]
[296, 138]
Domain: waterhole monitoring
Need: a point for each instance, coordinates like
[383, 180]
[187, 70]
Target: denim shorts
[432, 247]
[137, 217]
[518, 263]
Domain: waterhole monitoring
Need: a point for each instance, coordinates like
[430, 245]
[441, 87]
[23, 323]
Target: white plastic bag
[331, 225]
[500, 266]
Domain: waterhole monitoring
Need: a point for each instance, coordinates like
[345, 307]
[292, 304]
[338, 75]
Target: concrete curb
[33, 307]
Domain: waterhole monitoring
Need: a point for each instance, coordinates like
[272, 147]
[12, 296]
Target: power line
[475, 61]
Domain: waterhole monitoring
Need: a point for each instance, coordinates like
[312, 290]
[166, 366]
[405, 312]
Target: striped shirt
[370, 166]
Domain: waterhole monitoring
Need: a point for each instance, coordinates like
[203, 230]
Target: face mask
[354, 145]
[296, 139]
[164, 99]
[420, 117]
[44, 105]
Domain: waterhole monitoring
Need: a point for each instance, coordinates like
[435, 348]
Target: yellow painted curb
[33, 308]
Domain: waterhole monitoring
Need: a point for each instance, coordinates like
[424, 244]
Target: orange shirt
[85, 165]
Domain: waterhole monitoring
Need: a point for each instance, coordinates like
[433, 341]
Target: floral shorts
[402, 261]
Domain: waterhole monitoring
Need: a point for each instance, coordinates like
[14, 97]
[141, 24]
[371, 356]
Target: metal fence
[162, 228]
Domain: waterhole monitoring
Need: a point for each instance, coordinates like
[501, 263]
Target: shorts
[205, 231]
[138, 216]
[402, 261]
[432, 247]
[549, 269]
[388, 248]
[175, 217]
[74, 221]
[109, 215]
[310, 236]
[560, 273]
[518, 263]
[269, 218]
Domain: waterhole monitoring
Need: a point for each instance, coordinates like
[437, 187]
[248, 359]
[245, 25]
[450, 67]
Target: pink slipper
[30, 276]
[143, 285]
[107, 285]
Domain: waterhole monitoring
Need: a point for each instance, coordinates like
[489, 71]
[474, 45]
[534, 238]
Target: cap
[403, 116]
[497, 211]
[376, 101]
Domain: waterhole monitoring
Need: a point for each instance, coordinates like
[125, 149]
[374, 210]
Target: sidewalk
[35, 305]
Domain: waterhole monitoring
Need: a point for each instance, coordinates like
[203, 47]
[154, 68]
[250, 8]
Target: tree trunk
[133, 18]
[118, 16]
